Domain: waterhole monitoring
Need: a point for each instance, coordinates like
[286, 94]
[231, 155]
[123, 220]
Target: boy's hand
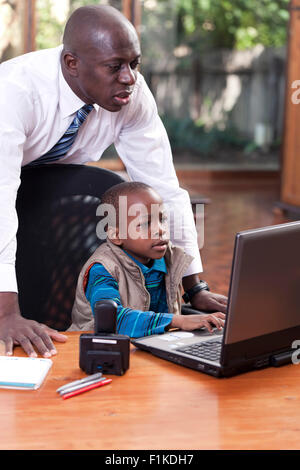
[194, 322]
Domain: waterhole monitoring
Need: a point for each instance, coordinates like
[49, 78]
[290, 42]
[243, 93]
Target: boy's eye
[144, 224]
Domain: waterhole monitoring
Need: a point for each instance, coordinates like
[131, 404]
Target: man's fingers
[56, 335]
[43, 339]
[221, 307]
[222, 299]
[9, 346]
[26, 344]
[32, 336]
[37, 337]
[43, 344]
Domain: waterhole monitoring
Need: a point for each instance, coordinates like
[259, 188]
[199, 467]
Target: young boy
[138, 268]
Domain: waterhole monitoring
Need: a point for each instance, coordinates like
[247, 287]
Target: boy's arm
[134, 323]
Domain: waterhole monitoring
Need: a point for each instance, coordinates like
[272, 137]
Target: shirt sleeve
[15, 108]
[144, 148]
[134, 323]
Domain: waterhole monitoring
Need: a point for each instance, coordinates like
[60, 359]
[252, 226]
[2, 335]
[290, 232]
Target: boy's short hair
[112, 195]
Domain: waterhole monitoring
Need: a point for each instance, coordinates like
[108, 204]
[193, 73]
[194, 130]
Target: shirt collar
[69, 102]
[158, 264]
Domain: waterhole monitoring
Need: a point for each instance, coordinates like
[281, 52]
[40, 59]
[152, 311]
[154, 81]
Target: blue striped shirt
[134, 323]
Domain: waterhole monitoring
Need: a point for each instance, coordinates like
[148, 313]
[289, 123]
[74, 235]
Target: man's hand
[209, 301]
[204, 300]
[194, 322]
[16, 330]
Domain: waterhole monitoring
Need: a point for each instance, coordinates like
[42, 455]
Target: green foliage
[49, 28]
[201, 24]
[238, 24]
[185, 134]
[74, 4]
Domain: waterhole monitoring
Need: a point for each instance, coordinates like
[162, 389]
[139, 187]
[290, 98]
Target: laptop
[263, 314]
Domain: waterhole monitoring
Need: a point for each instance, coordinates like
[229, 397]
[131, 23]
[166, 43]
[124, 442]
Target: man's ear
[71, 63]
[113, 235]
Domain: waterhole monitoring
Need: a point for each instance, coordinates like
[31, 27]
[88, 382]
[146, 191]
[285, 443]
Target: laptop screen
[264, 293]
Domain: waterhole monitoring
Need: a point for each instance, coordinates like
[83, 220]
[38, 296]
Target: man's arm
[204, 300]
[15, 117]
[144, 148]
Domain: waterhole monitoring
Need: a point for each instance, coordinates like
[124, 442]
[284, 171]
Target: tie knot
[87, 108]
[83, 112]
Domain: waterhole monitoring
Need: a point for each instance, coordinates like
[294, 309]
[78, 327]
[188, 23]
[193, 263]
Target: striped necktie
[66, 141]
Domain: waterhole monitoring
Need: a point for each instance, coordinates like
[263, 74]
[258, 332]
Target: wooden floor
[238, 201]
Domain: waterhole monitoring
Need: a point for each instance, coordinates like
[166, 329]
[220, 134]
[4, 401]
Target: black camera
[104, 351]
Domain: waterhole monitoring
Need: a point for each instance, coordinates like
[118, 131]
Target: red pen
[86, 389]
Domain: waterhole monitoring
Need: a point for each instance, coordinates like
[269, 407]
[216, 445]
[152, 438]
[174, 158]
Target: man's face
[106, 71]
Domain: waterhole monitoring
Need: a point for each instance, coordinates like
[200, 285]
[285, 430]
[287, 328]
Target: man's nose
[127, 75]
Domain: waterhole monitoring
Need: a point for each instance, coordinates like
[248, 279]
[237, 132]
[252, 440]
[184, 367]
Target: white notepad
[26, 373]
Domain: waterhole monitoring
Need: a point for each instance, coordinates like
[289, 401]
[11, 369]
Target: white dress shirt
[37, 106]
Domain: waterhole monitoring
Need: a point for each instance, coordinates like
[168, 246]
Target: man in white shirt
[40, 93]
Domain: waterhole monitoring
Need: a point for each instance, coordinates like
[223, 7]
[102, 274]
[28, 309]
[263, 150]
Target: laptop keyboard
[210, 350]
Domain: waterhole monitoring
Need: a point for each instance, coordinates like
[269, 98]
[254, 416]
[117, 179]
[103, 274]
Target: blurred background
[223, 60]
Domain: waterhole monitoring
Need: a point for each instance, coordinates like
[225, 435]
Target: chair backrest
[56, 206]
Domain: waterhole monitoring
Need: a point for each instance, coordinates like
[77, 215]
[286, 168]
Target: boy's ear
[113, 235]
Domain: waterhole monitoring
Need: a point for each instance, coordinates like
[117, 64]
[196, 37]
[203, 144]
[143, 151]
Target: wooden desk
[155, 405]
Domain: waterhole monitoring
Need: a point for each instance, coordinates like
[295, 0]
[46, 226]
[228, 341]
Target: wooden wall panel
[29, 13]
[290, 183]
[132, 10]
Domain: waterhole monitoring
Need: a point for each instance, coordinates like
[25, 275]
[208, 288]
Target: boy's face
[142, 228]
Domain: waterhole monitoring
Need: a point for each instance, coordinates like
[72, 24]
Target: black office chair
[56, 208]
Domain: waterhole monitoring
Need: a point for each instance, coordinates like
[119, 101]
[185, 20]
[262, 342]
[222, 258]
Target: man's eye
[135, 64]
[114, 68]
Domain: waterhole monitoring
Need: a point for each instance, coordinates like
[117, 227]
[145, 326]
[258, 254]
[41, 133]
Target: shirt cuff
[166, 319]
[8, 281]
[196, 265]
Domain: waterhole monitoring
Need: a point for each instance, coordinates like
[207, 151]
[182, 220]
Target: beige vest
[130, 281]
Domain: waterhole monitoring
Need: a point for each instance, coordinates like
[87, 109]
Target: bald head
[95, 26]
[100, 56]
